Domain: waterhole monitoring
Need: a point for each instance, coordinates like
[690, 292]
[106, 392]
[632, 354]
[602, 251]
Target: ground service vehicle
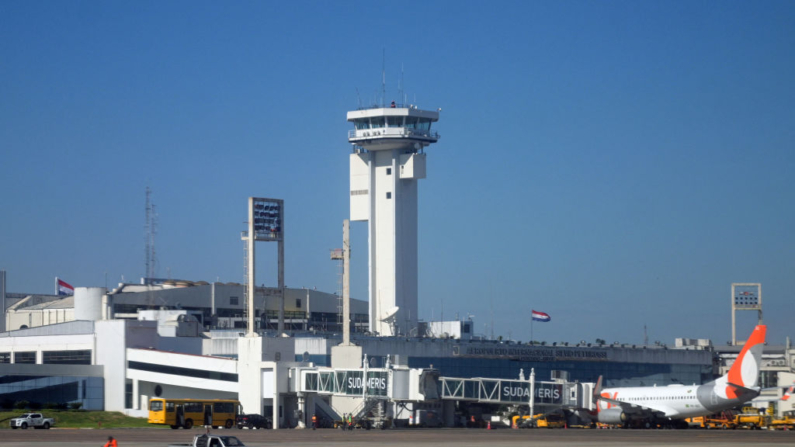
[754, 421]
[425, 418]
[541, 420]
[186, 413]
[35, 420]
[721, 420]
[519, 421]
[209, 440]
[357, 423]
[551, 420]
[787, 422]
[252, 421]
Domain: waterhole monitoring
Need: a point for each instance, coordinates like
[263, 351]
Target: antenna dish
[389, 316]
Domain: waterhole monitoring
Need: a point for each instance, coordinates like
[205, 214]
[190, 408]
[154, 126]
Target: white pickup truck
[212, 441]
[35, 420]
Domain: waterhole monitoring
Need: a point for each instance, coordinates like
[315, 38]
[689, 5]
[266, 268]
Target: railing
[392, 132]
[387, 105]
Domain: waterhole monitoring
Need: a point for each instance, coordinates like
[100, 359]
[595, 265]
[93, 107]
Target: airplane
[790, 389]
[670, 405]
[788, 394]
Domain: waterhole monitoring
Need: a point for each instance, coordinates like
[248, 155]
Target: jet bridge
[502, 391]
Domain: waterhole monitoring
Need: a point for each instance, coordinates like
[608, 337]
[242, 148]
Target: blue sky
[614, 164]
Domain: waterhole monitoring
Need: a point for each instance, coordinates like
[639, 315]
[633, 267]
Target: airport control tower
[387, 162]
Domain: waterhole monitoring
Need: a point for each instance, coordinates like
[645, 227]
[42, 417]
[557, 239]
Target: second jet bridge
[502, 391]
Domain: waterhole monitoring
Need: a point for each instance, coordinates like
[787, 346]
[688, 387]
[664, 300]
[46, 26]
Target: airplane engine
[613, 416]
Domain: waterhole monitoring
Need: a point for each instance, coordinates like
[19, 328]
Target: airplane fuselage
[674, 401]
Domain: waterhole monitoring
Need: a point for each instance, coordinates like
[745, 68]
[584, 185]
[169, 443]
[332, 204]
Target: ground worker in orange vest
[314, 421]
[111, 442]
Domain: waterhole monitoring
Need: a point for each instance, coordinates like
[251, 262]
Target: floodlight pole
[252, 284]
[281, 272]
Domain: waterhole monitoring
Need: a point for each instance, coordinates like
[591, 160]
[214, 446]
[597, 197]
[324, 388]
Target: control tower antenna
[400, 85]
[383, 79]
[358, 97]
[386, 165]
[150, 227]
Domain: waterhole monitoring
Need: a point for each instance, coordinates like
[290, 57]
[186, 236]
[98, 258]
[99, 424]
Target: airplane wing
[640, 410]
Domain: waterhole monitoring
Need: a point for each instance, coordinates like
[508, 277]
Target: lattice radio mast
[151, 231]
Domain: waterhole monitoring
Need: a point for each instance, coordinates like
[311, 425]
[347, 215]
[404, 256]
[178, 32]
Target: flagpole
[533, 340]
[56, 285]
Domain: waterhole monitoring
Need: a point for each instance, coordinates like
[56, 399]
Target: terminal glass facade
[89, 391]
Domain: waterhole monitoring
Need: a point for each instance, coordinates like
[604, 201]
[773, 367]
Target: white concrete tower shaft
[387, 162]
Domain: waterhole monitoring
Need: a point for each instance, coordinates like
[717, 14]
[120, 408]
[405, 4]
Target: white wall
[360, 187]
[382, 239]
[111, 353]
[37, 317]
[249, 373]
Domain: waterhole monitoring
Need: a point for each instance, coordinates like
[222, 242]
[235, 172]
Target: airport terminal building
[116, 350]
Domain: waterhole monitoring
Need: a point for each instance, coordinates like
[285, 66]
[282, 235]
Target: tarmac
[460, 437]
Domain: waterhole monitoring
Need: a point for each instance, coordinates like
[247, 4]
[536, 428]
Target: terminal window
[389, 195]
[78, 357]
[388, 171]
[5, 357]
[25, 357]
[233, 301]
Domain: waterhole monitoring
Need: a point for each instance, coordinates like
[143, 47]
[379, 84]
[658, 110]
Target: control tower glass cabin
[387, 161]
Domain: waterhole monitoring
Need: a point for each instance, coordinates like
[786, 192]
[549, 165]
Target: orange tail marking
[735, 373]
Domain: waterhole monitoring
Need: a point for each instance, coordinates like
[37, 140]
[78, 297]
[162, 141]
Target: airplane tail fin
[744, 373]
[788, 395]
[597, 392]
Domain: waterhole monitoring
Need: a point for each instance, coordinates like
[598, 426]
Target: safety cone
[488, 427]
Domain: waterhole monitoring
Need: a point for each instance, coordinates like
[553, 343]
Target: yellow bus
[186, 413]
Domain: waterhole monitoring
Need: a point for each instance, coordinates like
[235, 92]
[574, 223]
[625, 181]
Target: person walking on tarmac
[314, 421]
[350, 421]
[111, 442]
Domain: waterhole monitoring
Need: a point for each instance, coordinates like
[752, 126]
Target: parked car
[253, 421]
[212, 440]
[35, 420]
